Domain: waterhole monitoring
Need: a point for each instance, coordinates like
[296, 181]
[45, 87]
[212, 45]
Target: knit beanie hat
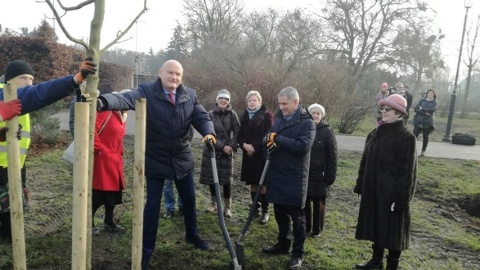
[395, 101]
[16, 68]
[317, 108]
[384, 85]
[223, 94]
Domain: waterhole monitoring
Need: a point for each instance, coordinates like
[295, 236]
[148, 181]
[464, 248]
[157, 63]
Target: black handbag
[464, 139]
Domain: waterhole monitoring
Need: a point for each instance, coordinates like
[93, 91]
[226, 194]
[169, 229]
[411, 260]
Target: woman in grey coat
[226, 125]
[424, 119]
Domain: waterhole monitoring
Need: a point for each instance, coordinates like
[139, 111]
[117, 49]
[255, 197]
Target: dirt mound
[471, 204]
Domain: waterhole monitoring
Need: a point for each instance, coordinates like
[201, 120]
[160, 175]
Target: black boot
[265, 214]
[393, 259]
[257, 205]
[376, 262]
[281, 247]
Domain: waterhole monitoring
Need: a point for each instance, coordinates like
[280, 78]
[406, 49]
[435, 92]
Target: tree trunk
[467, 90]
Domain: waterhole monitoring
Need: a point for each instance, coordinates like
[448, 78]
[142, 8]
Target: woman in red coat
[108, 179]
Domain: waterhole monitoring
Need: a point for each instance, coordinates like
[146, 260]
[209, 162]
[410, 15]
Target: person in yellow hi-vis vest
[32, 98]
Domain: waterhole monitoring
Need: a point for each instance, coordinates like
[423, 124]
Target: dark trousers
[315, 214]
[151, 212]
[227, 191]
[425, 133]
[5, 228]
[282, 213]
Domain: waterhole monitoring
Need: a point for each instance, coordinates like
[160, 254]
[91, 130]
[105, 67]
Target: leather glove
[10, 109]
[209, 140]
[86, 67]
[3, 133]
[100, 104]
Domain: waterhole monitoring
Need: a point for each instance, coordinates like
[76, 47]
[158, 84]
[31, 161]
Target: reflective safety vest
[23, 120]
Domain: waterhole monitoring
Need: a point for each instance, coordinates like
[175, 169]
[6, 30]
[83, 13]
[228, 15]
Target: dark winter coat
[387, 174]
[287, 175]
[421, 119]
[226, 127]
[33, 98]
[43, 94]
[168, 153]
[252, 132]
[409, 98]
[323, 161]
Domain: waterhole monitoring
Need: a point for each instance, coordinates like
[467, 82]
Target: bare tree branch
[122, 33]
[79, 6]
[62, 26]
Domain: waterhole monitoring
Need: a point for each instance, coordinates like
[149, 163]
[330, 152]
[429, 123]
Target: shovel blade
[240, 251]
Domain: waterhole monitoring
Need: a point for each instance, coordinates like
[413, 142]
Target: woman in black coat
[254, 124]
[323, 170]
[226, 125]
[386, 182]
[424, 120]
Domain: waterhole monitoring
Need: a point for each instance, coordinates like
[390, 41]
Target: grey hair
[254, 93]
[289, 92]
[398, 84]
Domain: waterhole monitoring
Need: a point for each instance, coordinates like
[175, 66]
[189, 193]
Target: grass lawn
[445, 228]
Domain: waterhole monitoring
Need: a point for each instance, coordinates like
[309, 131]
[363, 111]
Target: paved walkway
[434, 149]
[346, 142]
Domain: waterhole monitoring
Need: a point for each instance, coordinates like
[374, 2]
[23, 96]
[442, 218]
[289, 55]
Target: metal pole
[447, 137]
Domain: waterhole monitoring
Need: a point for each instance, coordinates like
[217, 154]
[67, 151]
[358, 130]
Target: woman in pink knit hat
[386, 182]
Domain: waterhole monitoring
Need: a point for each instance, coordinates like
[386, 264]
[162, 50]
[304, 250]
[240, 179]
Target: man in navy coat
[289, 142]
[171, 108]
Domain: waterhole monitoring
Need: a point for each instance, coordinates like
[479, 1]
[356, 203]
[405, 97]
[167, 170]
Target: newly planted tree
[94, 51]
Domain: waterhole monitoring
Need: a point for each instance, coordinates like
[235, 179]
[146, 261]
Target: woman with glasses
[424, 119]
[226, 125]
[385, 184]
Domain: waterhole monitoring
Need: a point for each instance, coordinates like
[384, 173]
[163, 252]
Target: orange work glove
[269, 141]
[86, 67]
[209, 140]
[10, 109]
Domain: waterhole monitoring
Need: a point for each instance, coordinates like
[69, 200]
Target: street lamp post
[447, 137]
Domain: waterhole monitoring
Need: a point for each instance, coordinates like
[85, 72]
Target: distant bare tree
[473, 57]
[362, 31]
[212, 21]
[416, 54]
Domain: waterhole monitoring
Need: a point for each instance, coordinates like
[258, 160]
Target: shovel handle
[255, 200]
[221, 218]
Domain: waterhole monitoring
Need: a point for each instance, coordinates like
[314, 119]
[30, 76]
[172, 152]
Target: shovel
[221, 219]
[238, 245]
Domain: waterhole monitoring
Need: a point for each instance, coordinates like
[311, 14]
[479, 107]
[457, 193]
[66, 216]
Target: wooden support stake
[15, 185]
[80, 186]
[138, 182]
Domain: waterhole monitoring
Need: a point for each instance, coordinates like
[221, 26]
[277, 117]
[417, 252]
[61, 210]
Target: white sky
[155, 27]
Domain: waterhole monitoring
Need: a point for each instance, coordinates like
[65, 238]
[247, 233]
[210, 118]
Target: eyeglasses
[386, 109]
